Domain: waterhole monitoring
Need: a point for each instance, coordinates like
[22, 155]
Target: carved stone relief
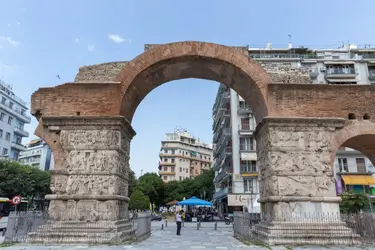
[85, 139]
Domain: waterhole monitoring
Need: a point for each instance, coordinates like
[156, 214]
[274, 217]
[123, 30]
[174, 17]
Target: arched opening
[353, 160]
[235, 155]
[175, 61]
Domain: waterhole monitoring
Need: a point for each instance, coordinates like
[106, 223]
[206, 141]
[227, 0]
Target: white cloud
[76, 40]
[117, 38]
[91, 48]
[9, 40]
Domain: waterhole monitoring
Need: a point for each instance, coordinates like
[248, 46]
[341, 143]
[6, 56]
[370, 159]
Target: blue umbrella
[194, 201]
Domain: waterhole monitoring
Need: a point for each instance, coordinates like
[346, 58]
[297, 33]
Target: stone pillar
[89, 203]
[297, 187]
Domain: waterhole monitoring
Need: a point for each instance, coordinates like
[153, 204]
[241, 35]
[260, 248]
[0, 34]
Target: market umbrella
[194, 201]
[172, 203]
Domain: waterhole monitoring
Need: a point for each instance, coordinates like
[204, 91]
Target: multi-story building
[13, 117]
[182, 156]
[235, 165]
[37, 154]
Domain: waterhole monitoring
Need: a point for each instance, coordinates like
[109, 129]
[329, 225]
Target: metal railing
[341, 72]
[306, 228]
[42, 227]
[286, 56]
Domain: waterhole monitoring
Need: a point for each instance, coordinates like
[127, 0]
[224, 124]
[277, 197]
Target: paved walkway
[191, 238]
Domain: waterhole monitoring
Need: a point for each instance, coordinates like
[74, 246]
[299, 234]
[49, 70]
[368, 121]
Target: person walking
[179, 222]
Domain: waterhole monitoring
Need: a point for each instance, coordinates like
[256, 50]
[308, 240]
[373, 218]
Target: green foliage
[27, 181]
[152, 186]
[132, 182]
[353, 202]
[138, 201]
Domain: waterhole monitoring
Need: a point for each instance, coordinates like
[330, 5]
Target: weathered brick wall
[284, 72]
[321, 100]
[280, 72]
[71, 99]
[99, 72]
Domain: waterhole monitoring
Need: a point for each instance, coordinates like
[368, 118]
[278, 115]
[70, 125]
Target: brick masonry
[103, 72]
[284, 72]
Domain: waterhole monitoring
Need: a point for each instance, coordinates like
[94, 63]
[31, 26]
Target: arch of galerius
[87, 125]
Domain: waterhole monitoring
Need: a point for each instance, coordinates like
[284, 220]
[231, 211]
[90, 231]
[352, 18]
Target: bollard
[162, 226]
[166, 223]
[215, 225]
[197, 225]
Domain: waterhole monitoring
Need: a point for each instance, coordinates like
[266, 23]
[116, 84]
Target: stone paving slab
[206, 238]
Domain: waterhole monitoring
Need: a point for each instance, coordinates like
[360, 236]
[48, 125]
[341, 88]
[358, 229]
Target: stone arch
[358, 135]
[174, 61]
[52, 139]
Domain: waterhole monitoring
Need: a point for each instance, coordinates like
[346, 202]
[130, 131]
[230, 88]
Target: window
[2, 116]
[165, 177]
[1, 133]
[172, 169]
[172, 151]
[3, 100]
[180, 169]
[248, 185]
[23, 112]
[180, 178]
[172, 160]
[5, 151]
[343, 165]
[247, 144]
[248, 166]
[165, 160]
[11, 105]
[361, 165]
[10, 120]
[187, 170]
[165, 169]
[247, 123]
[7, 136]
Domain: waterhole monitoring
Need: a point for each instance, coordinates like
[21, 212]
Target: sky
[40, 39]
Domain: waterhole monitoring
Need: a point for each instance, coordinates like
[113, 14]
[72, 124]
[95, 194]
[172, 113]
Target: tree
[27, 181]
[353, 202]
[152, 186]
[132, 182]
[138, 201]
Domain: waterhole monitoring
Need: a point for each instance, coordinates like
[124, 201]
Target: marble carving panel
[93, 161]
[100, 139]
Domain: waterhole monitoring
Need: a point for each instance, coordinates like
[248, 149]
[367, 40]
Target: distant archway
[180, 60]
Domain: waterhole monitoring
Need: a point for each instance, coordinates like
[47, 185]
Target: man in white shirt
[179, 222]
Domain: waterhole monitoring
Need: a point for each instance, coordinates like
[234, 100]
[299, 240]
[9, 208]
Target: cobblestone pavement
[191, 238]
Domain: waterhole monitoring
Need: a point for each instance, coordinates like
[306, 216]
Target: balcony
[371, 74]
[166, 173]
[291, 55]
[313, 73]
[17, 113]
[245, 129]
[341, 73]
[21, 132]
[18, 146]
[243, 109]
[228, 150]
[167, 164]
[249, 171]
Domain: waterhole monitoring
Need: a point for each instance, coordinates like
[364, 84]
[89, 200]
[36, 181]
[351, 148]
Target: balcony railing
[338, 72]
[245, 127]
[166, 173]
[17, 112]
[18, 146]
[243, 109]
[21, 132]
[283, 56]
[248, 170]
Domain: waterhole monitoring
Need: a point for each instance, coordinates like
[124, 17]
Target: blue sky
[40, 39]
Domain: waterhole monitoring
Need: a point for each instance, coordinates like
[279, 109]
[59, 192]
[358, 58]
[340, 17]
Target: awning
[358, 180]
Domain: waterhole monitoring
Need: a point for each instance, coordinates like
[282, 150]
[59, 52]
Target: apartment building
[236, 171]
[37, 154]
[13, 117]
[183, 156]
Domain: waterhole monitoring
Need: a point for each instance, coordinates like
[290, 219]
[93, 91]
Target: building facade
[37, 154]
[236, 171]
[182, 156]
[13, 117]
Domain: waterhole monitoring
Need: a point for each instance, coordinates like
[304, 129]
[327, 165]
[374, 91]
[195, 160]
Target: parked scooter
[228, 220]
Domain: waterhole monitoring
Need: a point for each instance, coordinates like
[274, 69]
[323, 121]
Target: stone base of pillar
[82, 232]
[302, 233]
